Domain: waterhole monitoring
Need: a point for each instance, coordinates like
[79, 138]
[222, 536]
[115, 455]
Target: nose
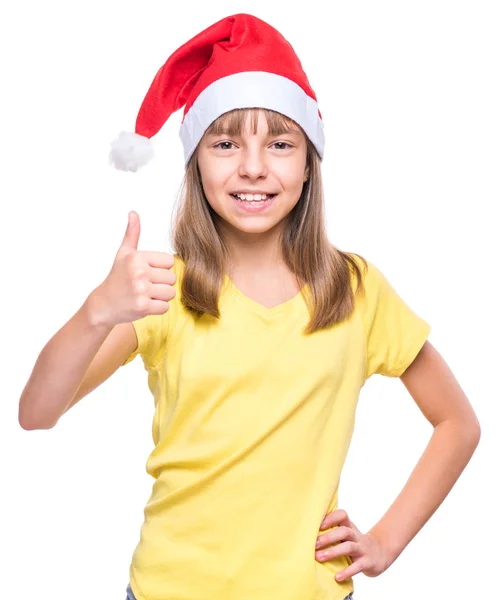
[253, 162]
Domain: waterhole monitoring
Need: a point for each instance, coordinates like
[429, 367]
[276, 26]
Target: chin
[255, 227]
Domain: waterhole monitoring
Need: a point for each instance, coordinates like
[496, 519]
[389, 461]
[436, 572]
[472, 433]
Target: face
[253, 162]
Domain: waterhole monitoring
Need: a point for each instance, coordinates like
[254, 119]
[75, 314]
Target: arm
[80, 356]
[456, 435]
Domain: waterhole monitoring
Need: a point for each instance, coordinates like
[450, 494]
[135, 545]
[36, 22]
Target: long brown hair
[305, 247]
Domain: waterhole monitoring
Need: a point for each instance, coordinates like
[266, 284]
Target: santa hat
[238, 62]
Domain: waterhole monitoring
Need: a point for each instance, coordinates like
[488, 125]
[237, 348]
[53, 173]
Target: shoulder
[361, 272]
[369, 284]
[372, 277]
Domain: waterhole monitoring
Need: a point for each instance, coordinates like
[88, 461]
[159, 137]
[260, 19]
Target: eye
[220, 143]
[284, 144]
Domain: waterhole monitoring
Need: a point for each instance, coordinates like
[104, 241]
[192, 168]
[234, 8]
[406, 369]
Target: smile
[253, 205]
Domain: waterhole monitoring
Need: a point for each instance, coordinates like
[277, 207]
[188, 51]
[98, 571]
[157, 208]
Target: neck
[253, 251]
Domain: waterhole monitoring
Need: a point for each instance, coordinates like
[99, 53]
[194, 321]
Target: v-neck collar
[259, 308]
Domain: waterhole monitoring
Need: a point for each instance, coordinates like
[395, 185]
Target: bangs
[233, 122]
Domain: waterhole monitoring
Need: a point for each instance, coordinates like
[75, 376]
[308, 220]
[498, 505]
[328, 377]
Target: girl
[257, 336]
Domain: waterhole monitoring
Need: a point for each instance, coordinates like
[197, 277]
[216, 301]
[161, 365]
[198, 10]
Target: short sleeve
[151, 332]
[394, 332]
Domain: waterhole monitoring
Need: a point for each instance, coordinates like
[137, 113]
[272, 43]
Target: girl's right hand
[139, 283]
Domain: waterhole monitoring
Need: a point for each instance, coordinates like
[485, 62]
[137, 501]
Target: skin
[258, 162]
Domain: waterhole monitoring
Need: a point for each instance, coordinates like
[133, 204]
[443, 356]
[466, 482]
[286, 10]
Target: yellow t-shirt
[252, 425]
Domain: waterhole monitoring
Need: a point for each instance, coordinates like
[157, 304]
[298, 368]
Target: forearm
[449, 450]
[60, 368]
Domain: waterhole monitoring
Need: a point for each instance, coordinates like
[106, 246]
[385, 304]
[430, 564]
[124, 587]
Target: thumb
[131, 238]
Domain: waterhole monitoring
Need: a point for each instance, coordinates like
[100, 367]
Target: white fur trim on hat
[251, 89]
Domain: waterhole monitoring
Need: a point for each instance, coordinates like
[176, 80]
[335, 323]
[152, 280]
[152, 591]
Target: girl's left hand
[369, 556]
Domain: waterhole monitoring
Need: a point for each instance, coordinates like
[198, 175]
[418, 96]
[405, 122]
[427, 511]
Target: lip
[253, 209]
[251, 192]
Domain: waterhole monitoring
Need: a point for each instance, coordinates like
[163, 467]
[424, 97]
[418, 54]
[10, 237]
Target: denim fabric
[130, 595]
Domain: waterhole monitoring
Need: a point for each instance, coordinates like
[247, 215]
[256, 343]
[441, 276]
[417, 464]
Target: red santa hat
[238, 62]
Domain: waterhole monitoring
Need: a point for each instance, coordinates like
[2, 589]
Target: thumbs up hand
[139, 283]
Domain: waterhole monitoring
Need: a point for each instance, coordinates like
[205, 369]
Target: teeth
[251, 197]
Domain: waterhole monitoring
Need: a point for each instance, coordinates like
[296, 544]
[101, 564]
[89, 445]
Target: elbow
[29, 423]
[467, 431]
[32, 426]
[473, 439]
[477, 434]
[472, 433]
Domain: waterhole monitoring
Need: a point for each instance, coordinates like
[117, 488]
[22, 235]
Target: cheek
[215, 180]
[293, 188]
[210, 185]
[292, 200]
[293, 182]
[214, 193]
[290, 174]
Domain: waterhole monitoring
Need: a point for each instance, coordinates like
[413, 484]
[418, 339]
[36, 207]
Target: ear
[306, 174]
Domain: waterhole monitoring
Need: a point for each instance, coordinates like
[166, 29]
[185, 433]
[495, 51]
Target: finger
[161, 260]
[353, 569]
[158, 275]
[344, 549]
[339, 534]
[132, 233]
[337, 517]
[160, 291]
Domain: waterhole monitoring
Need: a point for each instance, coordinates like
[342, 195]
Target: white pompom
[130, 151]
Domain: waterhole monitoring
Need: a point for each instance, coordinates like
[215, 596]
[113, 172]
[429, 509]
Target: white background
[409, 93]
